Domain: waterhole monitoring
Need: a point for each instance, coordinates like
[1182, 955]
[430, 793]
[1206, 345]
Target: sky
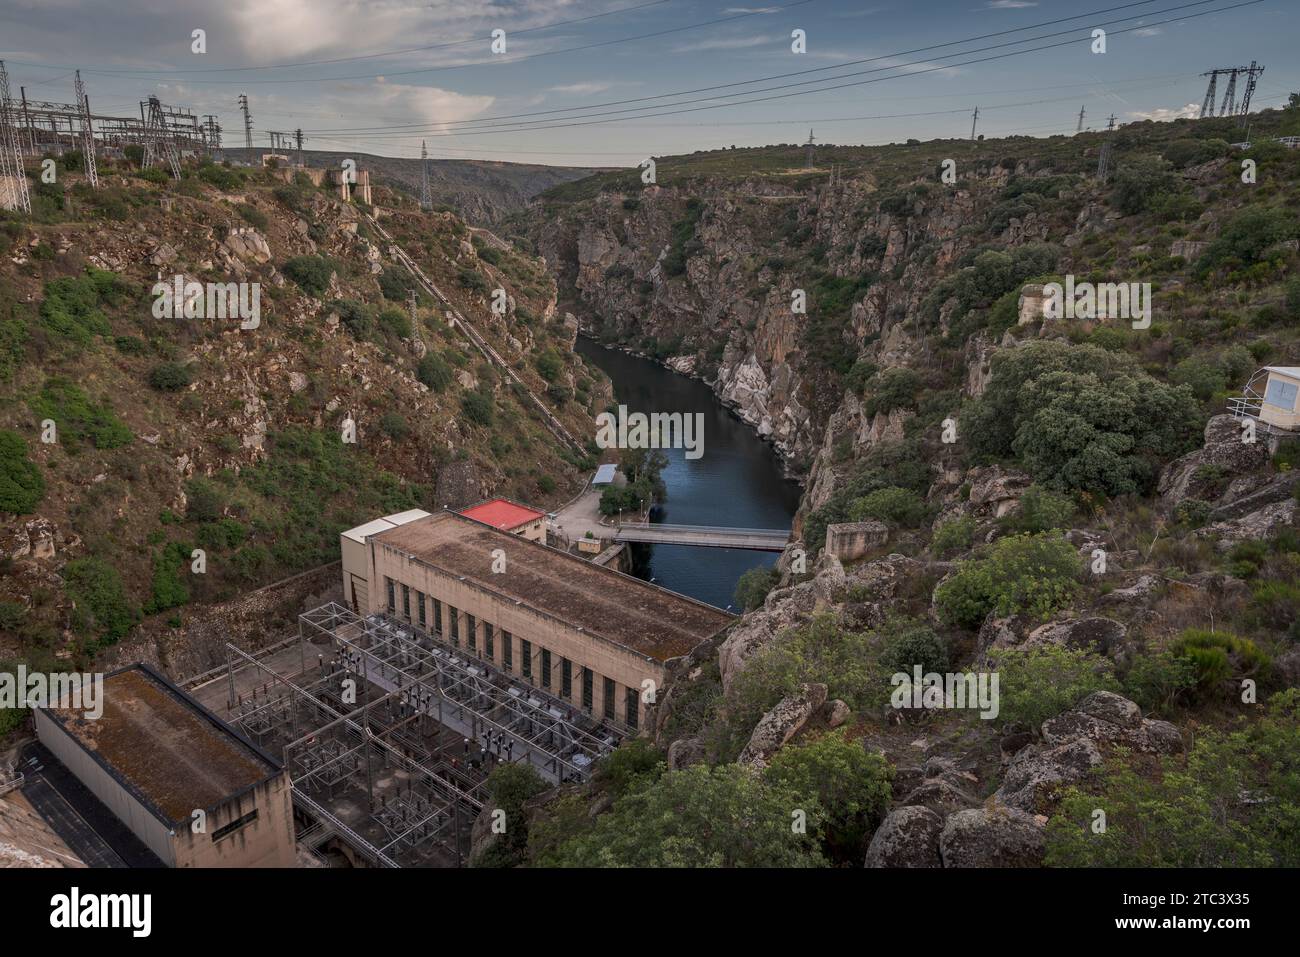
[610, 82]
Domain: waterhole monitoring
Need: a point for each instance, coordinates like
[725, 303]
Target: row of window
[504, 642]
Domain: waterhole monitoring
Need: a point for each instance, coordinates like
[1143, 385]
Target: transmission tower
[248, 121]
[87, 134]
[808, 163]
[13, 175]
[1229, 107]
[973, 120]
[297, 135]
[1079, 128]
[158, 139]
[426, 200]
[1103, 162]
[1110, 123]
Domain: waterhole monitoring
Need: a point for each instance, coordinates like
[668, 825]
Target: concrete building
[1272, 398]
[356, 556]
[189, 787]
[592, 636]
[509, 517]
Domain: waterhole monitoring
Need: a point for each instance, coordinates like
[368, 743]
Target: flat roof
[605, 474]
[644, 618]
[1291, 371]
[362, 532]
[170, 752]
[502, 513]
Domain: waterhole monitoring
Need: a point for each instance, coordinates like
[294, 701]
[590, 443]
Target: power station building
[194, 791]
[586, 634]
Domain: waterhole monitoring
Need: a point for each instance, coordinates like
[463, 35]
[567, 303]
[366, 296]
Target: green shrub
[312, 273]
[1233, 801]
[1038, 683]
[630, 766]
[753, 586]
[892, 389]
[1157, 681]
[954, 535]
[101, 606]
[897, 506]
[1139, 181]
[1247, 237]
[170, 376]
[168, 589]
[394, 425]
[906, 645]
[21, 484]
[73, 306]
[1041, 510]
[477, 407]
[1032, 575]
[1219, 658]
[434, 372]
[77, 417]
[396, 322]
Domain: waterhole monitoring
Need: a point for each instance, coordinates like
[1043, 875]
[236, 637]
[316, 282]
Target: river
[738, 482]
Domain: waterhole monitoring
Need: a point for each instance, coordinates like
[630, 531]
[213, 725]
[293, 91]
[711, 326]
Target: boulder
[1103, 635]
[991, 837]
[1140, 590]
[781, 724]
[941, 796]
[908, 837]
[684, 752]
[1261, 524]
[996, 489]
[1223, 448]
[835, 713]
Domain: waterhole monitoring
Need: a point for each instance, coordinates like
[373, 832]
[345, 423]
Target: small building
[1272, 397]
[510, 517]
[587, 634]
[356, 556]
[605, 474]
[188, 786]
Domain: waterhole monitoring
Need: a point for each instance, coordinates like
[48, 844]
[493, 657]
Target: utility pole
[298, 135]
[973, 120]
[426, 200]
[1079, 128]
[1103, 162]
[248, 121]
[808, 163]
[87, 134]
[1110, 124]
[13, 190]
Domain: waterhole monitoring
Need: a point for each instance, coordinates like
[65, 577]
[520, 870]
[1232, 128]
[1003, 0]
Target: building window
[566, 678]
[586, 690]
[507, 652]
[453, 622]
[546, 669]
[633, 704]
[526, 658]
[406, 602]
[228, 829]
[419, 604]
[392, 599]
[437, 617]
[471, 634]
[609, 697]
[488, 651]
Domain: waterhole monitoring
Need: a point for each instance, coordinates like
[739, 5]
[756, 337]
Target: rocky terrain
[990, 491]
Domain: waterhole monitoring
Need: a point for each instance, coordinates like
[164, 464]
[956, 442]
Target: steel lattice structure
[13, 174]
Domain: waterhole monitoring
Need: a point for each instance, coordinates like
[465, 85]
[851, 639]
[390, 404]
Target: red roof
[502, 513]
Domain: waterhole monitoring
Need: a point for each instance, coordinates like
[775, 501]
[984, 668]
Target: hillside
[1061, 504]
[481, 192]
[172, 434]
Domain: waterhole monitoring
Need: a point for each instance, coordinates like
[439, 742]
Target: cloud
[1010, 4]
[580, 89]
[727, 43]
[731, 10]
[1148, 32]
[427, 104]
[1164, 114]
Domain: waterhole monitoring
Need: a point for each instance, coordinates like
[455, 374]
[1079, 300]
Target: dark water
[738, 482]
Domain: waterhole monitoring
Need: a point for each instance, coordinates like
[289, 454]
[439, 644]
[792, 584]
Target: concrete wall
[267, 841]
[605, 659]
[851, 540]
[142, 822]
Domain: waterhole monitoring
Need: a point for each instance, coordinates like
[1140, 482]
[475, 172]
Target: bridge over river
[764, 539]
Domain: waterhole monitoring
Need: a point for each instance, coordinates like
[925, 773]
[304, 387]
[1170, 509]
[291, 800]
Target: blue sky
[570, 64]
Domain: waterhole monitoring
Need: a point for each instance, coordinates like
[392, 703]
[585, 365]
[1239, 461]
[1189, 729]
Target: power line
[672, 112]
[485, 123]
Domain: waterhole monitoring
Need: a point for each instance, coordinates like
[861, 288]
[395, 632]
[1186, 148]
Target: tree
[1080, 418]
[850, 785]
[753, 586]
[699, 816]
[509, 787]
[1139, 180]
[21, 484]
[312, 273]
